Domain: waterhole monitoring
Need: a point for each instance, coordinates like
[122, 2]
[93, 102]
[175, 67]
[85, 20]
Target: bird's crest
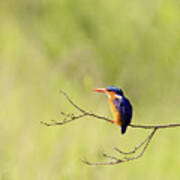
[115, 89]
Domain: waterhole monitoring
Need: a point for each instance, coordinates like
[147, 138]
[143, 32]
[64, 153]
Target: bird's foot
[112, 121]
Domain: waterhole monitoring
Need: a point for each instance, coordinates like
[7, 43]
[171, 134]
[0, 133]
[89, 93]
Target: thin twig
[154, 126]
[86, 113]
[115, 160]
[69, 117]
[135, 148]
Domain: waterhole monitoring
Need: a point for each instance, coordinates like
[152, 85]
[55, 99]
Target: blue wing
[125, 109]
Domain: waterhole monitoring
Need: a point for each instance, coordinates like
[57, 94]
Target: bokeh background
[48, 45]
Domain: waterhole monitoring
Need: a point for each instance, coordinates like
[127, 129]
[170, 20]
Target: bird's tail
[123, 128]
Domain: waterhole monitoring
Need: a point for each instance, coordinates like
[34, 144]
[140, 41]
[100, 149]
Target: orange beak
[101, 90]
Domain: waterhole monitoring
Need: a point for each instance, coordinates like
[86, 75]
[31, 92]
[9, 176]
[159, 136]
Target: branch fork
[127, 156]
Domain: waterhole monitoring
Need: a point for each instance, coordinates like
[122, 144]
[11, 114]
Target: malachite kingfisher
[120, 106]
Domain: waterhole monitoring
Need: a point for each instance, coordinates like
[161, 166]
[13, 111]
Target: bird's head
[110, 91]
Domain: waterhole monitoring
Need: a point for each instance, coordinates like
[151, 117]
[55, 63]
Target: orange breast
[116, 114]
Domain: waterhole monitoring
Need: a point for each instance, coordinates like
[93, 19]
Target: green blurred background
[48, 45]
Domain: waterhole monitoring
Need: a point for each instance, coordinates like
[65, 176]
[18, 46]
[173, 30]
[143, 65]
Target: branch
[69, 117]
[115, 160]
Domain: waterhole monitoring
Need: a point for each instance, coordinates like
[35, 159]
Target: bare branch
[71, 102]
[70, 117]
[115, 160]
[135, 148]
[155, 126]
[64, 121]
[127, 156]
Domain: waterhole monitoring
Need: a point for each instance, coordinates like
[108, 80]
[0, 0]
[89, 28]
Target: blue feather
[123, 129]
[125, 109]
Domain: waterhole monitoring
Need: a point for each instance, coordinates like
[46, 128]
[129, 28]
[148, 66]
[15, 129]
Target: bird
[120, 106]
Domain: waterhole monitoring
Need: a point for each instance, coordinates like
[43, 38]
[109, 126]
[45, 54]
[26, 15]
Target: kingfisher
[120, 106]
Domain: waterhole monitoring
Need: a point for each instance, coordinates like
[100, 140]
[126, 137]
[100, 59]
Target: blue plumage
[123, 106]
[125, 109]
[120, 105]
[118, 91]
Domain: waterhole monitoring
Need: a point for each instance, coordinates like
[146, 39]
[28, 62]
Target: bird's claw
[112, 121]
